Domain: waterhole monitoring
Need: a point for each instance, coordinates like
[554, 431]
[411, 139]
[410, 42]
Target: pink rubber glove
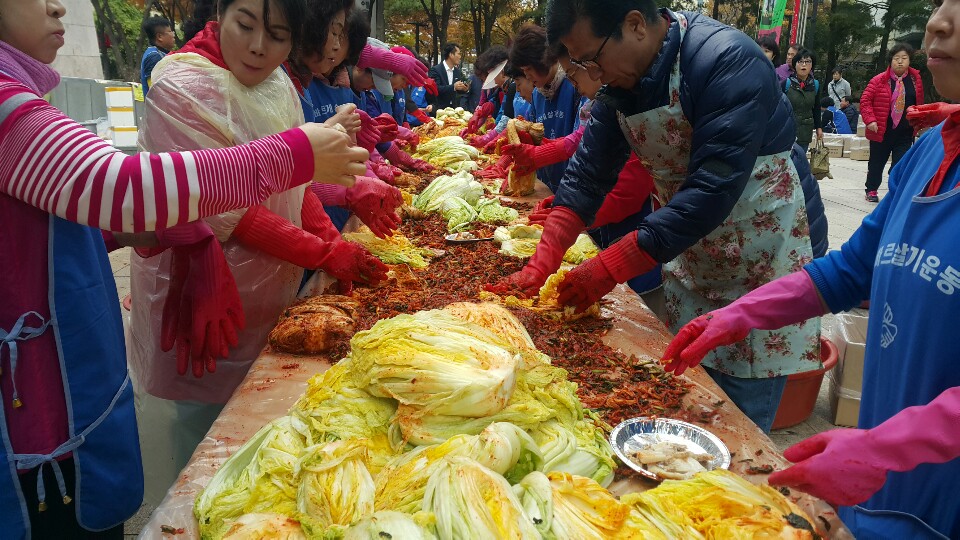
[496, 170]
[405, 160]
[408, 137]
[314, 218]
[848, 466]
[383, 170]
[430, 86]
[479, 117]
[788, 300]
[375, 203]
[559, 233]
[369, 134]
[388, 127]
[592, 280]
[276, 236]
[408, 66]
[202, 311]
[541, 211]
[484, 141]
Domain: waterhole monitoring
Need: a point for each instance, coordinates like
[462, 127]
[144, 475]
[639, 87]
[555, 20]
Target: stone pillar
[80, 55]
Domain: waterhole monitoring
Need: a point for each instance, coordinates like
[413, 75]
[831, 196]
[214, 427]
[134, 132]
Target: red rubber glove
[421, 116]
[527, 158]
[202, 311]
[264, 230]
[388, 127]
[592, 280]
[430, 86]
[496, 170]
[929, 115]
[314, 218]
[541, 211]
[559, 233]
[369, 134]
[383, 170]
[405, 160]
[848, 466]
[386, 59]
[788, 300]
[479, 116]
[375, 203]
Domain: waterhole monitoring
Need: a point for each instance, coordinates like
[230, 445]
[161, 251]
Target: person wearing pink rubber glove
[528, 158]
[559, 233]
[369, 135]
[407, 137]
[372, 200]
[895, 476]
[405, 160]
[377, 55]
[846, 467]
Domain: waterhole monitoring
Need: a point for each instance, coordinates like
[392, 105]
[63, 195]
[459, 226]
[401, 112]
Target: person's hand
[460, 86]
[352, 262]
[420, 165]
[409, 138]
[524, 158]
[375, 203]
[700, 336]
[347, 117]
[335, 159]
[819, 134]
[479, 116]
[497, 169]
[541, 211]
[430, 86]
[386, 172]
[872, 126]
[401, 63]
[369, 135]
[486, 142]
[833, 466]
[202, 311]
[559, 233]
[592, 280]
[387, 126]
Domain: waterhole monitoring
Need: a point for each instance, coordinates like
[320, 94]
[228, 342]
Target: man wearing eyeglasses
[698, 103]
[163, 39]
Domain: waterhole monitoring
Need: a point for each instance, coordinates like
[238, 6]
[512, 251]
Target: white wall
[80, 55]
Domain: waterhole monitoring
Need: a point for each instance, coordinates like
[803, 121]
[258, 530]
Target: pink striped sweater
[49, 164]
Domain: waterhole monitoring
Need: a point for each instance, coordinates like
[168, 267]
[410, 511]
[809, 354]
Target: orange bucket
[800, 395]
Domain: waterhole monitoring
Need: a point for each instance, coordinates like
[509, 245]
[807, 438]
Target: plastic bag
[195, 104]
[820, 161]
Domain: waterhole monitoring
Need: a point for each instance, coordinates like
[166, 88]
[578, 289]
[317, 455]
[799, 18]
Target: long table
[277, 380]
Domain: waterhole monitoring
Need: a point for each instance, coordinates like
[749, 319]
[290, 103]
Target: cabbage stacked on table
[459, 199]
[521, 241]
[447, 424]
[450, 152]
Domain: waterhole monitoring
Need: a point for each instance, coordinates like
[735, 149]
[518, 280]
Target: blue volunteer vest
[85, 320]
[559, 117]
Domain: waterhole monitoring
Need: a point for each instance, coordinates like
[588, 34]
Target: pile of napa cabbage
[442, 424]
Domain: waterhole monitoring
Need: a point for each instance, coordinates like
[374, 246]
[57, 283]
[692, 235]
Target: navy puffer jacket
[738, 112]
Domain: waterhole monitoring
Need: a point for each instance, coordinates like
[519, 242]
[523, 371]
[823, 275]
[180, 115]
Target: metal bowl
[633, 434]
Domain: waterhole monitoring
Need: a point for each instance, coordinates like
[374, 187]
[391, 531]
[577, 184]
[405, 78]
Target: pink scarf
[898, 101]
[33, 73]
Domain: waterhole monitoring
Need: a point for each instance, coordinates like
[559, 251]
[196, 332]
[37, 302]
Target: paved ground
[845, 208]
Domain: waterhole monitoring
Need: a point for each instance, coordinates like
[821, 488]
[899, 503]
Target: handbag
[820, 161]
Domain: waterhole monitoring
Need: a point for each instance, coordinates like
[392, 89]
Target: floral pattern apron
[766, 236]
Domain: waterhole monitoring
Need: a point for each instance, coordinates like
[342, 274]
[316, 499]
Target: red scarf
[207, 44]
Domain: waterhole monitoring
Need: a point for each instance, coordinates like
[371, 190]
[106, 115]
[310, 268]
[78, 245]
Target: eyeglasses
[804, 62]
[592, 63]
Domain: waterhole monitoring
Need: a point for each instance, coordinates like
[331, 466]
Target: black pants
[58, 521]
[892, 143]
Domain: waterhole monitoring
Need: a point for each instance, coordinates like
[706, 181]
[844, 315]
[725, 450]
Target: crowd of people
[675, 141]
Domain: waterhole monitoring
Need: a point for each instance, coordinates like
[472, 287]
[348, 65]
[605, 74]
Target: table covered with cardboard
[276, 381]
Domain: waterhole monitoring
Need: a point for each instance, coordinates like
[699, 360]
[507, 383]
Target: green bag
[820, 161]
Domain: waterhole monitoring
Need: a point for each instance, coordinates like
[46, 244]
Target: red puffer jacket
[875, 101]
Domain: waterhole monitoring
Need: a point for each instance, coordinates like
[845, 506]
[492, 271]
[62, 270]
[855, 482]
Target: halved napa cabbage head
[471, 501]
[335, 486]
[502, 447]
[434, 360]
